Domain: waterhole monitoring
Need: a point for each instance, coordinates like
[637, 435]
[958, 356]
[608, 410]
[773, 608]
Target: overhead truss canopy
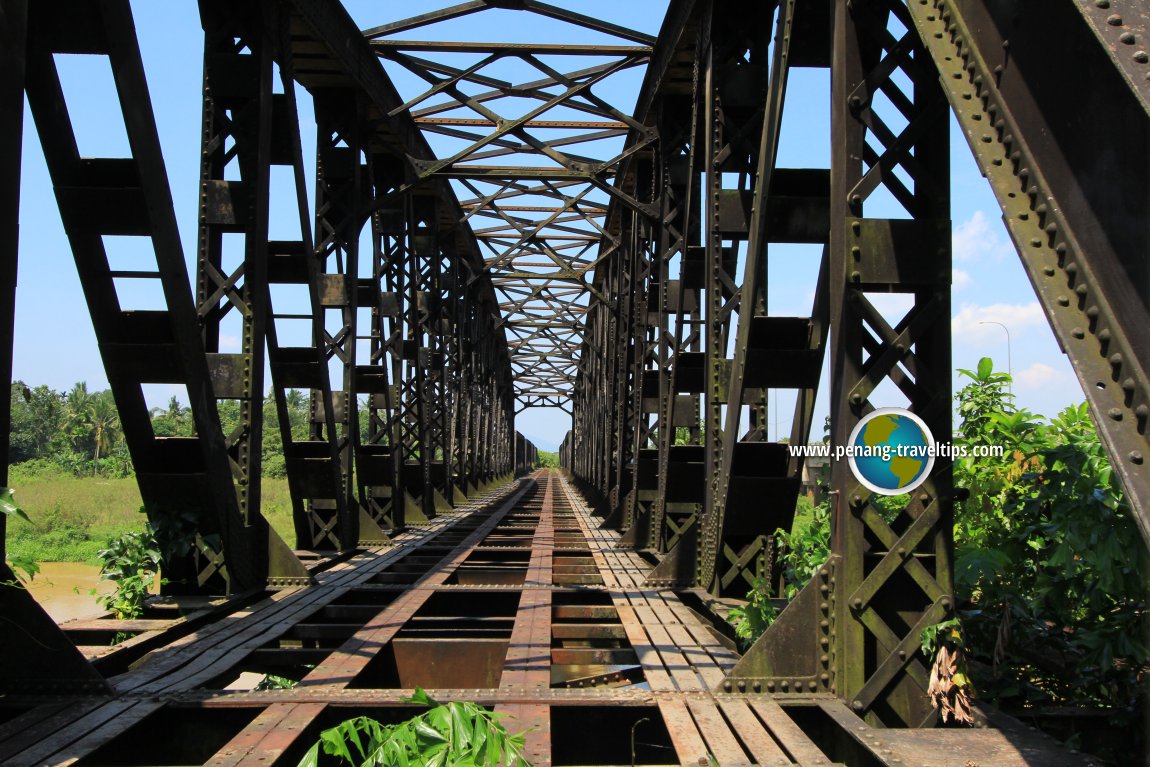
[533, 137]
[589, 219]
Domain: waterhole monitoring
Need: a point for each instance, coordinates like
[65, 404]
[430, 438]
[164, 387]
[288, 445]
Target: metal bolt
[1141, 57]
[1078, 333]
[1048, 271]
[1127, 38]
[1136, 457]
[858, 603]
[1114, 413]
[1102, 3]
[1114, 20]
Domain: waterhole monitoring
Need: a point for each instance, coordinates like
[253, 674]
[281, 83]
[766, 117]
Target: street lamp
[1009, 366]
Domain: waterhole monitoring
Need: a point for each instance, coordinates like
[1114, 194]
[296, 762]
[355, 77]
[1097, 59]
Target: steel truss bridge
[503, 235]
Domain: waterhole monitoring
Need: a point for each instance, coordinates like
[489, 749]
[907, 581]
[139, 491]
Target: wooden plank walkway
[521, 595]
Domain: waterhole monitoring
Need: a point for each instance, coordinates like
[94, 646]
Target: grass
[73, 518]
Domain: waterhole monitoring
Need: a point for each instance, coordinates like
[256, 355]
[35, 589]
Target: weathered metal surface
[674, 686]
[614, 266]
[1071, 199]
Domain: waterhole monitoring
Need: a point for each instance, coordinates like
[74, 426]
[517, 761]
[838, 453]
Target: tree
[37, 422]
[174, 421]
[77, 414]
[1049, 562]
[104, 421]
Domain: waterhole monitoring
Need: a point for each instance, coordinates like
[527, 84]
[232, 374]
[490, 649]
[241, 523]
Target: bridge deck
[518, 601]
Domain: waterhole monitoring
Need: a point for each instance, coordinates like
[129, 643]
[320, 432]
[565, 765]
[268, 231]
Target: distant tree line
[78, 432]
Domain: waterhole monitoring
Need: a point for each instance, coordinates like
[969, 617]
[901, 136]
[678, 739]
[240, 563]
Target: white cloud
[960, 279]
[229, 343]
[977, 237]
[1038, 376]
[974, 324]
[892, 306]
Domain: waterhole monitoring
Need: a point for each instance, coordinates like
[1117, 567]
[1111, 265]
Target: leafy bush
[132, 562]
[1048, 561]
[804, 550]
[752, 619]
[449, 735]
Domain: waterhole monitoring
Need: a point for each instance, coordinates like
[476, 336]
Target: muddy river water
[64, 589]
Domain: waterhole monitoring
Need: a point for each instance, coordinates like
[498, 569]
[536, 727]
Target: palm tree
[77, 415]
[105, 424]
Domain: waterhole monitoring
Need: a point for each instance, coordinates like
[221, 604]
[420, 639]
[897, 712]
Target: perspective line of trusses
[540, 214]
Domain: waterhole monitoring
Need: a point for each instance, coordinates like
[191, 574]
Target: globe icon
[891, 451]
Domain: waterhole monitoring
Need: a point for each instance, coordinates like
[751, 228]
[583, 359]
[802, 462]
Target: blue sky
[54, 340]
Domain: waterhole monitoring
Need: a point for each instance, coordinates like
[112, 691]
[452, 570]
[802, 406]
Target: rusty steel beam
[618, 271]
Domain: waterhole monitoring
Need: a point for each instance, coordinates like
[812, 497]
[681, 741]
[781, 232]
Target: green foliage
[804, 550]
[548, 460]
[37, 418]
[946, 633]
[132, 562]
[449, 735]
[273, 682]
[73, 517]
[1048, 560]
[78, 433]
[8, 505]
[24, 569]
[752, 619]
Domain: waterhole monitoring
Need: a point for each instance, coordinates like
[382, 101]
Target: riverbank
[72, 518]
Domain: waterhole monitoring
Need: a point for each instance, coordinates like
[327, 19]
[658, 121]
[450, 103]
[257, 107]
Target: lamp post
[1009, 366]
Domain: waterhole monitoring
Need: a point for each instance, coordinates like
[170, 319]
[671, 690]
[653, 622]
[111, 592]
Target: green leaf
[311, 758]
[9, 506]
[985, 368]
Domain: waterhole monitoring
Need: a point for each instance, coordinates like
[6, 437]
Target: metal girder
[186, 483]
[246, 128]
[540, 255]
[566, 251]
[709, 489]
[36, 652]
[1071, 199]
